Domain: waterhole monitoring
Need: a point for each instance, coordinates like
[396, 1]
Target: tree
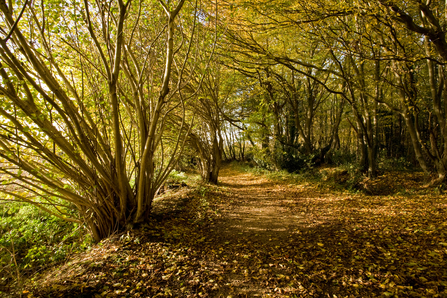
[206, 136]
[295, 89]
[370, 52]
[87, 94]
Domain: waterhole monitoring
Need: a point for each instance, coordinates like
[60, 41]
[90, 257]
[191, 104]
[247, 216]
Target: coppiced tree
[206, 136]
[87, 91]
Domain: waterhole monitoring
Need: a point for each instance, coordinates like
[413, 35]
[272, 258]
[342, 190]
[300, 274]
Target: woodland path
[310, 242]
[263, 210]
[264, 216]
[251, 236]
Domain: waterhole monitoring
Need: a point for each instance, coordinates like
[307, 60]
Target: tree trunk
[414, 140]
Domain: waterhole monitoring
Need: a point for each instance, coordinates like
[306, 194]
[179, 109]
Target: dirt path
[304, 242]
[266, 210]
[259, 209]
[255, 237]
[263, 219]
[256, 214]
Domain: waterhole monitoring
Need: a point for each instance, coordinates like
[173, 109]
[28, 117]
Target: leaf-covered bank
[256, 237]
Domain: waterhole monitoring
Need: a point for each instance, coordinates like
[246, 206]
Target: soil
[263, 210]
[251, 236]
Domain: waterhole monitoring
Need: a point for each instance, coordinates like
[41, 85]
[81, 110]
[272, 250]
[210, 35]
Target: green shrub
[295, 162]
[394, 164]
[340, 158]
[176, 177]
[34, 239]
[291, 160]
[263, 159]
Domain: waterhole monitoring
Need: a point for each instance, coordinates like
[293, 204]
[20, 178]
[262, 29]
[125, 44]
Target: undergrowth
[346, 177]
[323, 177]
[32, 240]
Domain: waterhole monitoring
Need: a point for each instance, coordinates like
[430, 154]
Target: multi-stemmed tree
[87, 93]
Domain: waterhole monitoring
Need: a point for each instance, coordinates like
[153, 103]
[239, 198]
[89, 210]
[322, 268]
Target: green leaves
[36, 238]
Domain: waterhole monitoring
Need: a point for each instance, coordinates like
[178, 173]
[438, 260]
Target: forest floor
[252, 236]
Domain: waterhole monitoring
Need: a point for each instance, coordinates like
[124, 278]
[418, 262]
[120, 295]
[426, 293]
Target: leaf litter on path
[255, 237]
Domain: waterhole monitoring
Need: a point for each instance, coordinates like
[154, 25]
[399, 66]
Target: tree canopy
[100, 100]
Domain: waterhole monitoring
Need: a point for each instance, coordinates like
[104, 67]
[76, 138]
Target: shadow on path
[254, 237]
[255, 207]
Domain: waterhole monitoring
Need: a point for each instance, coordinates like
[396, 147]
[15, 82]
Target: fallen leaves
[212, 245]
